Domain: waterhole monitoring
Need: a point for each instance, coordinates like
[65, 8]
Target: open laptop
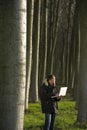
[63, 91]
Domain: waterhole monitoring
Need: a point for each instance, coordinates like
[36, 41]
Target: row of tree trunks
[35, 48]
[61, 33]
[12, 63]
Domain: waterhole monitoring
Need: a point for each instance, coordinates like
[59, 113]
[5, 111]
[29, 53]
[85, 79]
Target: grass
[65, 119]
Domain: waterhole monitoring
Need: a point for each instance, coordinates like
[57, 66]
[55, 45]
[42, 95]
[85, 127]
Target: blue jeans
[49, 121]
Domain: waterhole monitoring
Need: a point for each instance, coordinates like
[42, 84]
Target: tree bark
[12, 63]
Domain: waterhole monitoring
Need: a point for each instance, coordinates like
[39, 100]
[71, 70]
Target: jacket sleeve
[57, 98]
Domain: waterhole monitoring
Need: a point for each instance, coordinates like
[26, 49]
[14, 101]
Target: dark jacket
[48, 104]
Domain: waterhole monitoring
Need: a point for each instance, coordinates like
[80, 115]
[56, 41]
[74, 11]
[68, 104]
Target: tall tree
[82, 106]
[30, 13]
[77, 51]
[35, 58]
[46, 38]
[43, 41]
[12, 63]
[55, 32]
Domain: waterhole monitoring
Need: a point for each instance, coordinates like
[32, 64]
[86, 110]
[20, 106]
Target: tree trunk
[43, 41]
[77, 53]
[30, 11]
[46, 38]
[82, 106]
[12, 63]
[35, 61]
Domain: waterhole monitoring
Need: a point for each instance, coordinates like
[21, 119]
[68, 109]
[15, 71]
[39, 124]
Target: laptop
[63, 91]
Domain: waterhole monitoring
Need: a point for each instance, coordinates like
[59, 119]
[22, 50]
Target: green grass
[65, 119]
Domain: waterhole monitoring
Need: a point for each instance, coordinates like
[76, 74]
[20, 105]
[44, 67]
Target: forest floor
[65, 119]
